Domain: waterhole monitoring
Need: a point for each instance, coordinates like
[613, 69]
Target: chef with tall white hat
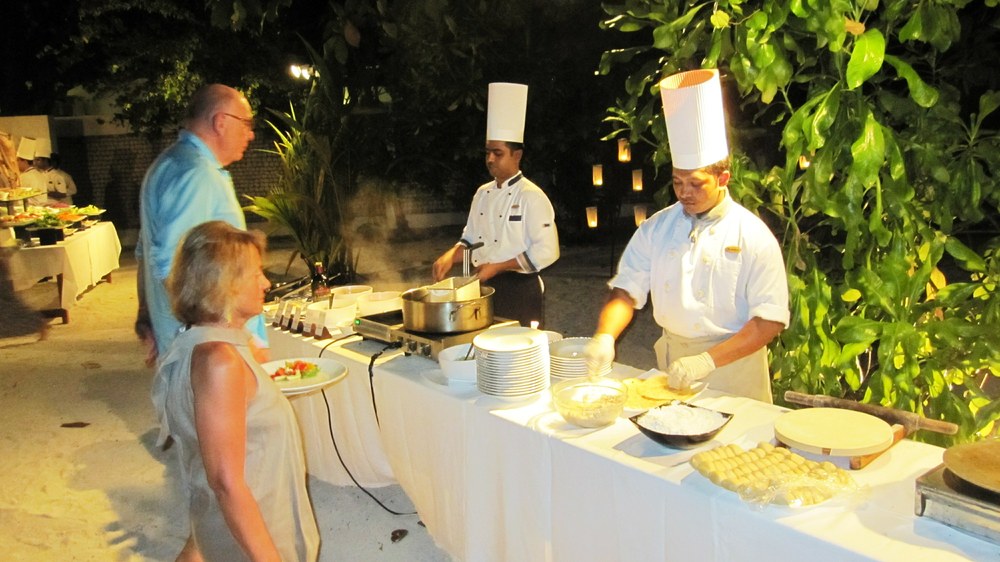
[511, 223]
[713, 270]
[30, 176]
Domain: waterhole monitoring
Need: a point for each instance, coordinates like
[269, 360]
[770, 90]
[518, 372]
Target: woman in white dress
[241, 455]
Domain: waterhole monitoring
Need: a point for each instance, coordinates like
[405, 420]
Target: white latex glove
[600, 352]
[684, 371]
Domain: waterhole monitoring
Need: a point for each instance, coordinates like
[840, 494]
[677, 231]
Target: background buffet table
[494, 480]
[77, 263]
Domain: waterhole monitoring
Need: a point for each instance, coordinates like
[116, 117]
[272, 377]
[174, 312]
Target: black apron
[519, 296]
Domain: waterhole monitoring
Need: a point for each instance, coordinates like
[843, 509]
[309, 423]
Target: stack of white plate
[512, 362]
[567, 359]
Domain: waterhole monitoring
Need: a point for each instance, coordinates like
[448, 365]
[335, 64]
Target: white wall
[31, 126]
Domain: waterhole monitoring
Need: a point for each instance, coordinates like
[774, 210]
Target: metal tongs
[467, 258]
[466, 273]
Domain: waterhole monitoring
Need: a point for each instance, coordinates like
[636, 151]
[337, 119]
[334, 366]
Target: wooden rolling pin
[911, 422]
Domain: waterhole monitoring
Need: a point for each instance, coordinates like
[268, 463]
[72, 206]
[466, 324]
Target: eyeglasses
[248, 122]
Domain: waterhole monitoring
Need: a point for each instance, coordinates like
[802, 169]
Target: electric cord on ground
[329, 423]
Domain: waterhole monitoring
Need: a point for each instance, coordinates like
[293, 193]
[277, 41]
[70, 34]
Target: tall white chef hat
[43, 148]
[507, 106]
[696, 121]
[26, 148]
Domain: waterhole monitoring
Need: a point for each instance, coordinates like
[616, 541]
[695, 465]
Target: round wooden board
[833, 431]
[977, 463]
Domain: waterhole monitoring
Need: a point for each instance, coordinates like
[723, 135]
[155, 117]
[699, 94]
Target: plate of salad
[300, 375]
[89, 210]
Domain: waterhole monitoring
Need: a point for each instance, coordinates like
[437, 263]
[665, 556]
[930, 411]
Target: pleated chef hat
[507, 106]
[696, 121]
[26, 148]
[43, 148]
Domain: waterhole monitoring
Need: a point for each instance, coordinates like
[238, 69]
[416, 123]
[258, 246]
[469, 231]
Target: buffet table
[494, 480]
[499, 481]
[77, 263]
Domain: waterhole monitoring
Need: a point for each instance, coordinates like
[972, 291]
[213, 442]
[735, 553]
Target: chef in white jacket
[59, 184]
[511, 217]
[713, 269]
[30, 176]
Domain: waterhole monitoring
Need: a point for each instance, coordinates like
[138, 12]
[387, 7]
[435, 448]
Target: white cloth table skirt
[494, 481]
[351, 412]
[82, 259]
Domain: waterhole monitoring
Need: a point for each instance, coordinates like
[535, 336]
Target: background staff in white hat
[510, 216]
[30, 176]
[713, 269]
[59, 185]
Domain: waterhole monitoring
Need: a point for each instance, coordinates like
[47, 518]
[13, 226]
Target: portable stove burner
[944, 497]
[388, 327]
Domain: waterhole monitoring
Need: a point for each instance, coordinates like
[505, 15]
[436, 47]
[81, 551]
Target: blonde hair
[207, 264]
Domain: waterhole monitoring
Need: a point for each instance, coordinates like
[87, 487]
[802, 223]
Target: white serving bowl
[329, 314]
[455, 365]
[350, 292]
[379, 302]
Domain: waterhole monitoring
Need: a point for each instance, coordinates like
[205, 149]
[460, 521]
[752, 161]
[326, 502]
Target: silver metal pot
[446, 317]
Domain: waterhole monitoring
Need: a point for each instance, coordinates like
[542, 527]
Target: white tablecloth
[351, 412]
[82, 259]
[494, 481]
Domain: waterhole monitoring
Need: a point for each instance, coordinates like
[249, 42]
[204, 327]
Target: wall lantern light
[639, 212]
[636, 180]
[592, 217]
[598, 173]
[624, 151]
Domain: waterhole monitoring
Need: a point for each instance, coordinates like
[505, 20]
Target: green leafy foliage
[881, 182]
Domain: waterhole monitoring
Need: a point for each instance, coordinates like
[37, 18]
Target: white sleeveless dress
[275, 461]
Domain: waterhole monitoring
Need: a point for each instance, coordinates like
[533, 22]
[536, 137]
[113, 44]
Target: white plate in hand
[331, 372]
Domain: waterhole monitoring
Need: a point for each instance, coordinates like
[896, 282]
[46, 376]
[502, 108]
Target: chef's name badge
[732, 249]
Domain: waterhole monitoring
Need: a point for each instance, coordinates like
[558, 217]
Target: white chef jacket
[512, 220]
[35, 178]
[709, 275]
[60, 182]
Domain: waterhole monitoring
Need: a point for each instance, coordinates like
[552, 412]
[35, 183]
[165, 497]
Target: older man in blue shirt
[186, 186]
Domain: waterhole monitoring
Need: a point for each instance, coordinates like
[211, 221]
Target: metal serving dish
[420, 315]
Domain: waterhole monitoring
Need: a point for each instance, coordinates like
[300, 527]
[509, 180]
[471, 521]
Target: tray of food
[769, 474]
[18, 220]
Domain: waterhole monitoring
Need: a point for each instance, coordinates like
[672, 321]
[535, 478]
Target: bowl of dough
[681, 425]
[589, 402]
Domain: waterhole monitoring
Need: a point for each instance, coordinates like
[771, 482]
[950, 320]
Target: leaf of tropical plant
[855, 329]
[920, 92]
[953, 294]
[866, 58]
[988, 103]
[913, 30]
[988, 414]
[719, 19]
[868, 152]
[968, 258]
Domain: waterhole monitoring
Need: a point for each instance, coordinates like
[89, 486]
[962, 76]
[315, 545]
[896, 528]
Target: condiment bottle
[320, 289]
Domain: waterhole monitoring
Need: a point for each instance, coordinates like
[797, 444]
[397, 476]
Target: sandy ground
[81, 478]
